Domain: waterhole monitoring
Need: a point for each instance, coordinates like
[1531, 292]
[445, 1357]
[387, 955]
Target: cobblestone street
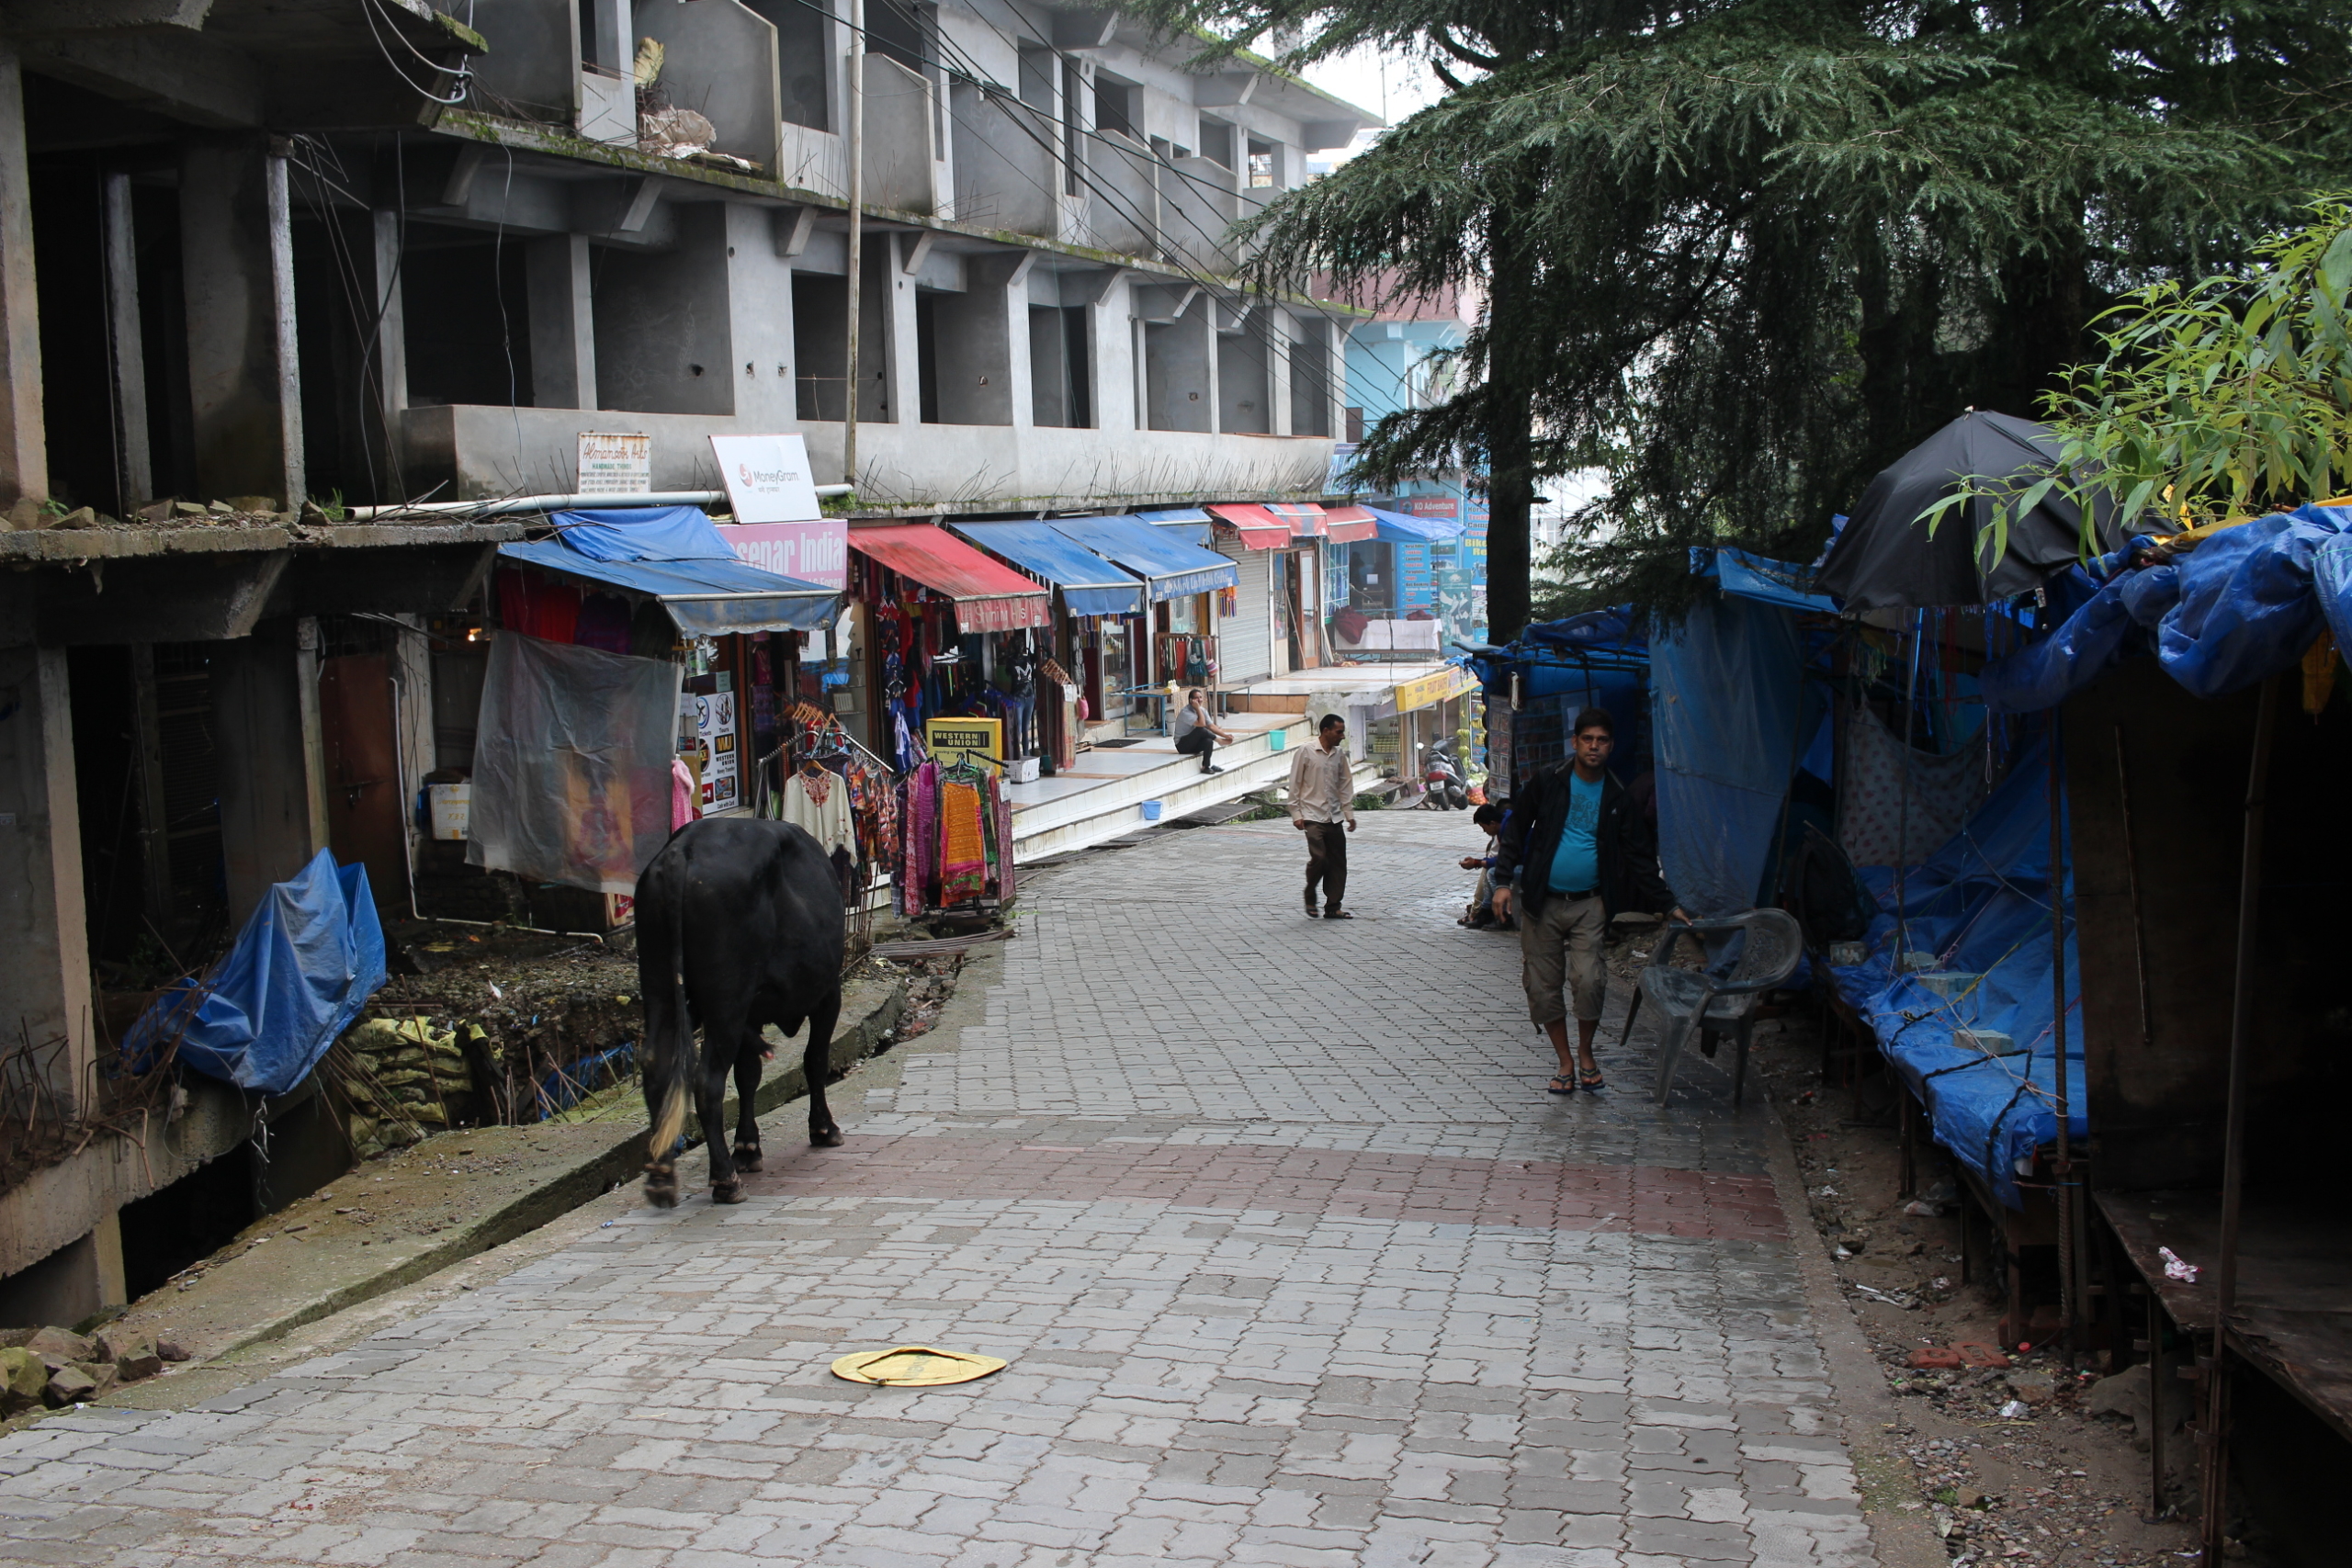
[1294, 1261]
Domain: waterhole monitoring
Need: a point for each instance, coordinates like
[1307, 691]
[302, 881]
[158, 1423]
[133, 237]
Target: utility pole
[856, 227]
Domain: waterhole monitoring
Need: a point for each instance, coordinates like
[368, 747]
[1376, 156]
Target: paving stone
[1293, 1260]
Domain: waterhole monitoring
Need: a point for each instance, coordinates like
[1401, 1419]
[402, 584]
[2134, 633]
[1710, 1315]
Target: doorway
[365, 818]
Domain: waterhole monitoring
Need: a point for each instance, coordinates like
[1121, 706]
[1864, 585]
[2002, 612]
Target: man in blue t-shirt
[1574, 853]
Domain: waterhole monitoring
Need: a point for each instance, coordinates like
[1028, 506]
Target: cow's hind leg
[722, 1042]
[750, 1058]
[818, 1064]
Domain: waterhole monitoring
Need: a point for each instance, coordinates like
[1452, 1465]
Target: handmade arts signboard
[615, 463]
[958, 739]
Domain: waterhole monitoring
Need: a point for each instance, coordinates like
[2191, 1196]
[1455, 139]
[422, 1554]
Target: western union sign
[954, 739]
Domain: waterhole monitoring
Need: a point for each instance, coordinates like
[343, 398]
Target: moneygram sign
[778, 525]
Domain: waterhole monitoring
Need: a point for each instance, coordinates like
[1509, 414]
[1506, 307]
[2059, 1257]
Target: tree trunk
[1511, 378]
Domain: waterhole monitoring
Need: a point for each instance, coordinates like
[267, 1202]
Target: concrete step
[1114, 808]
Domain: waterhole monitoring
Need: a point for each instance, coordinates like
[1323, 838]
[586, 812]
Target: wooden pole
[856, 228]
[2215, 1434]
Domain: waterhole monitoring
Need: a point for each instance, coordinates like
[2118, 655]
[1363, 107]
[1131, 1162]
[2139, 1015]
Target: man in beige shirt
[1322, 797]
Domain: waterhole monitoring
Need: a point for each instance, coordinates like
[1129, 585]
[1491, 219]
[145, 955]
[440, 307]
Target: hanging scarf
[962, 844]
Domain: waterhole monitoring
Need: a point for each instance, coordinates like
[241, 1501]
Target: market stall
[1095, 595]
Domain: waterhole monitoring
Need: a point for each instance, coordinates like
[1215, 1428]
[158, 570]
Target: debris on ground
[57, 1367]
[2015, 1457]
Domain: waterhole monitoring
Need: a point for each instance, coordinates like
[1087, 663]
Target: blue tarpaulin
[1401, 528]
[1748, 576]
[306, 963]
[1090, 585]
[2245, 603]
[1170, 567]
[1979, 906]
[1726, 700]
[642, 532]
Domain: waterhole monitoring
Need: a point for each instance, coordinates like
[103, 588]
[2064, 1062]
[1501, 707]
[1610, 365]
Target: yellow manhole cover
[914, 1366]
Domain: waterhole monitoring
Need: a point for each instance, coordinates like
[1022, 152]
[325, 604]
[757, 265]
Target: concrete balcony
[488, 451]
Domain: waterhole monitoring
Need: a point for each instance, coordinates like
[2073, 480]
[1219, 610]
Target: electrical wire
[461, 72]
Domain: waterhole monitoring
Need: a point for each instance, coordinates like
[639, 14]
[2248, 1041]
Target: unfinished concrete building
[260, 261]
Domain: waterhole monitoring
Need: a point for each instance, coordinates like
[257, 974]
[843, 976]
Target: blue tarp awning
[1402, 528]
[1748, 576]
[2245, 603]
[1090, 585]
[1169, 568]
[308, 960]
[675, 555]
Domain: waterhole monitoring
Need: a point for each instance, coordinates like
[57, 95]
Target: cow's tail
[673, 1066]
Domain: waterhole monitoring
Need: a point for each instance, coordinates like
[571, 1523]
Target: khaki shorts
[1561, 947]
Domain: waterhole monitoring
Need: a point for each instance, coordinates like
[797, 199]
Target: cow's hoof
[747, 1158]
[825, 1137]
[726, 1191]
[661, 1190]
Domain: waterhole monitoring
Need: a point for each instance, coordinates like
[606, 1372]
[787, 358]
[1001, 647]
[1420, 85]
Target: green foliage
[1744, 253]
[2218, 397]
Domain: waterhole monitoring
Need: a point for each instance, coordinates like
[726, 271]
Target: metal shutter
[1245, 639]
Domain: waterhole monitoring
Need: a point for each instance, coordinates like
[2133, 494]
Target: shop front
[1391, 606]
[1100, 602]
[1290, 538]
[949, 632]
[1183, 584]
[637, 675]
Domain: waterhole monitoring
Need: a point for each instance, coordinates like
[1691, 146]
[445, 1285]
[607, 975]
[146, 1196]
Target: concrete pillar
[1115, 341]
[70, 1284]
[1281, 338]
[905, 361]
[273, 793]
[237, 261]
[135, 473]
[44, 932]
[23, 450]
[391, 323]
[759, 289]
[563, 323]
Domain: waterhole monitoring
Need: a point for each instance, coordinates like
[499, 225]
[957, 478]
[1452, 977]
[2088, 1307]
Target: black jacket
[1530, 837]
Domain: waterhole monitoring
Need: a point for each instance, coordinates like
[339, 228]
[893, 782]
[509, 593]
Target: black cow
[738, 924]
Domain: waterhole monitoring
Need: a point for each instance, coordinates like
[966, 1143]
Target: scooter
[1442, 788]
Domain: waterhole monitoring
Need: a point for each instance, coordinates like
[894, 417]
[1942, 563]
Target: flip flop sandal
[1561, 1084]
[1588, 1080]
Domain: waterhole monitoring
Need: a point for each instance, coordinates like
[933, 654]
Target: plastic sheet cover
[2243, 604]
[308, 960]
[571, 763]
[1980, 906]
[1727, 702]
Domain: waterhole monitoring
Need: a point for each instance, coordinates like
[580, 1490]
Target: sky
[1391, 85]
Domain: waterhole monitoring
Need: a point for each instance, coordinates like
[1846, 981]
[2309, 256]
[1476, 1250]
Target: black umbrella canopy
[1886, 559]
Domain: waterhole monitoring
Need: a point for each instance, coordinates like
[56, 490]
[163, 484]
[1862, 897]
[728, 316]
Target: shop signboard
[1441, 685]
[1433, 506]
[961, 740]
[612, 464]
[767, 478]
[814, 552]
[715, 742]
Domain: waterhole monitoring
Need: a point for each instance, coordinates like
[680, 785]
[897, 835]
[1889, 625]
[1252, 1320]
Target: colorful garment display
[964, 849]
[820, 801]
[955, 843]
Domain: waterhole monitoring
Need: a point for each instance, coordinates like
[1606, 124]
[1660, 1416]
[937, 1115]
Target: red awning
[1272, 527]
[989, 596]
[1346, 525]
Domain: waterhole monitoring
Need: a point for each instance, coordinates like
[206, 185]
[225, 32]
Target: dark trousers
[1196, 742]
[1327, 861]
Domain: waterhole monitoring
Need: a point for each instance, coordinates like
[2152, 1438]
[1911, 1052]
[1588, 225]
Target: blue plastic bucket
[1276, 739]
[1151, 811]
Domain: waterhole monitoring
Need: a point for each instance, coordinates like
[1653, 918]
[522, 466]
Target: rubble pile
[401, 1080]
[540, 1021]
[56, 1367]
